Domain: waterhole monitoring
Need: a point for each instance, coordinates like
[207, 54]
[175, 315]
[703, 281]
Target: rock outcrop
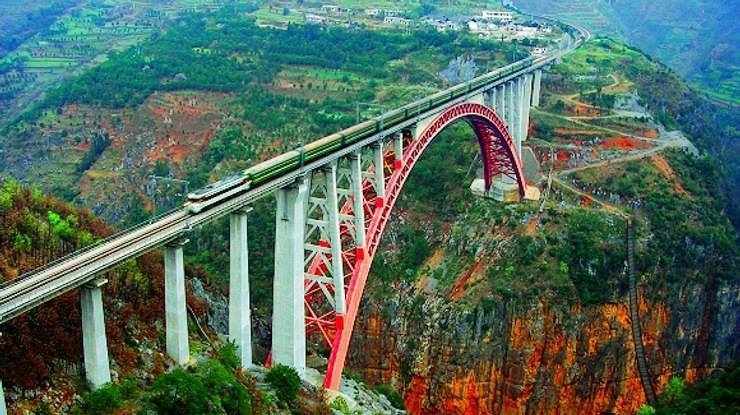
[542, 356]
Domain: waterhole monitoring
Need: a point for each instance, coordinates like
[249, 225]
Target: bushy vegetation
[341, 405]
[108, 398]
[286, 382]
[690, 234]
[210, 389]
[36, 229]
[717, 395]
[212, 386]
[224, 52]
[392, 394]
[98, 145]
[582, 251]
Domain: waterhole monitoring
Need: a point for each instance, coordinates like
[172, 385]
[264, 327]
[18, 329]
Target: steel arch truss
[349, 205]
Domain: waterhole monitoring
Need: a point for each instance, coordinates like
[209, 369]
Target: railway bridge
[334, 198]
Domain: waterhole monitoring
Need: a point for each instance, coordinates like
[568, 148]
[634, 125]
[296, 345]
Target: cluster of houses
[390, 16]
[490, 23]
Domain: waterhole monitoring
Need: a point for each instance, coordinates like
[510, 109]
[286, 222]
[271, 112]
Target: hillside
[695, 38]
[478, 307]
[41, 351]
[172, 104]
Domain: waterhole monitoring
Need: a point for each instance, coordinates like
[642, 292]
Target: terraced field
[36, 56]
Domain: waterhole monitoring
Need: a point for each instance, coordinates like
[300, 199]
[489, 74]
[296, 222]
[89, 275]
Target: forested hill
[699, 39]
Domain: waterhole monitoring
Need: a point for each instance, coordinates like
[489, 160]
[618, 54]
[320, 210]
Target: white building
[315, 19]
[539, 51]
[502, 16]
[330, 8]
[445, 25]
[372, 12]
[399, 21]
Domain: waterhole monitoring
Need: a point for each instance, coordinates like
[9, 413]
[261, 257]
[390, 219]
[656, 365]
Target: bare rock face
[542, 356]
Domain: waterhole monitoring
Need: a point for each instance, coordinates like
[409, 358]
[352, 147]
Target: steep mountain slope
[698, 39]
[521, 309]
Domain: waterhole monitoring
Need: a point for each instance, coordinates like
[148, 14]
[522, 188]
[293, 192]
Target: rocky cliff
[524, 357]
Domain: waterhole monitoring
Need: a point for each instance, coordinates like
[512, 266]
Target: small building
[473, 25]
[502, 16]
[330, 8]
[445, 25]
[526, 31]
[372, 12]
[395, 20]
[539, 51]
[315, 19]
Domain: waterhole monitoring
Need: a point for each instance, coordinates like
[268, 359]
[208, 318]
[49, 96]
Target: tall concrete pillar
[489, 98]
[176, 313]
[514, 109]
[501, 101]
[3, 409]
[536, 85]
[240, 323]
[288, 317]
[398, 150]
[379, 163]
[525, 106]
[358, 207]
[94, 343]
[510, 106]
[337, 264]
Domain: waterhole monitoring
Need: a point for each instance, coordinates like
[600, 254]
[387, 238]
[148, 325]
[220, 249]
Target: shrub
[43, 409]
[392, 394]
[646, 410]
[179, 393]
[286, 382]
[102, 401]
[229, 356]
[340, 405]
[224, 389]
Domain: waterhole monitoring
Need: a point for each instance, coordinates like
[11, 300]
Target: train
[268, 170]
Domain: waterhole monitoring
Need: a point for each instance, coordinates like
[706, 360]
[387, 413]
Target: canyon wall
[542, 356]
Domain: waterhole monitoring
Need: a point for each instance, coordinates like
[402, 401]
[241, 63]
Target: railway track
[642, 367]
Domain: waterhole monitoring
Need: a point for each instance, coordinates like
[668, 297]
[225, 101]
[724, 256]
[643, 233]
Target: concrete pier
[94, 342]
[379, 163]
[489, 98]
[536, 86]
[501, 102]
[398, 150]
[337, 265]
[176, 313]
[358, 204]
[516, 113]
[3, 409]
[526, 100]
[240, 324]
[288, 318]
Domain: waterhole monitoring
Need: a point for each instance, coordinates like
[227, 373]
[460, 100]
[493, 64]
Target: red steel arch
[499, 157]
